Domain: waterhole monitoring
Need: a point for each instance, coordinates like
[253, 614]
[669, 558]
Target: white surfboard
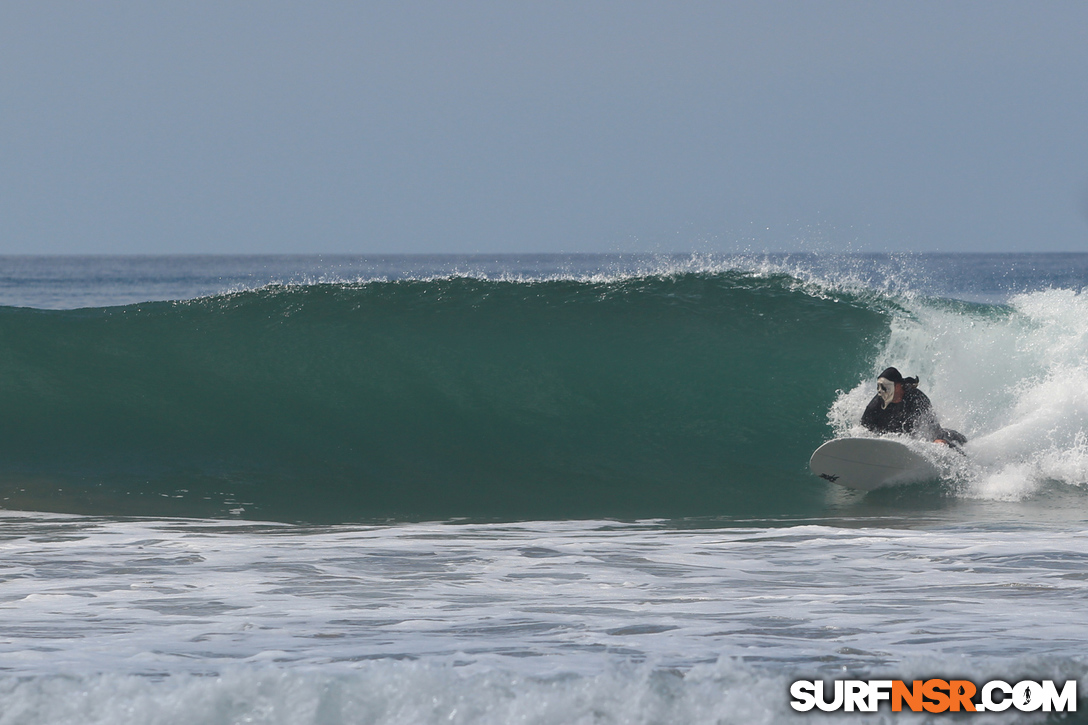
[868, 463]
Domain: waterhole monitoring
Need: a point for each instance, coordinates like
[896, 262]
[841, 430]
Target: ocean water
[543, 489]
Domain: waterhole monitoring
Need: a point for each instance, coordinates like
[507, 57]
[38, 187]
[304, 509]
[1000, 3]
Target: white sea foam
[403, 693]
[162, 622]
[86, 595]
[1015, 382]
[726, 692]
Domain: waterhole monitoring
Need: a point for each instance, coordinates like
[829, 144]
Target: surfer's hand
[942, 441]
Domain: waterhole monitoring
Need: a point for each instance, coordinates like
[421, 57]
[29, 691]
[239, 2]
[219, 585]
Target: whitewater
[546, 489]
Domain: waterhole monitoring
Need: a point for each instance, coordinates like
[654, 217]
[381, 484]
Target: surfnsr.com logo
[934, 696]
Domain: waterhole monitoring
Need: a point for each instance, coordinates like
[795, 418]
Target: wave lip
[50, 282]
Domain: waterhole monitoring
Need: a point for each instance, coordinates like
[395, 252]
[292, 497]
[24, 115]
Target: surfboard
[868, 463]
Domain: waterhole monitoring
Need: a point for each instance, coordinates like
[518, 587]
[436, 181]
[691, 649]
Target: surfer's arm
[925, 425]
[921, 420]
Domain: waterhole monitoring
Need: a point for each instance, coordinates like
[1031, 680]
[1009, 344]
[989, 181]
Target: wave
[686, 393]
[665, 395]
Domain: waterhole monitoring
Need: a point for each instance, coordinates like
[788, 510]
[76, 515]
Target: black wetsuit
[913, 415]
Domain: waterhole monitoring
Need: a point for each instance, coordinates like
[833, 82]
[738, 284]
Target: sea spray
[1013, 378]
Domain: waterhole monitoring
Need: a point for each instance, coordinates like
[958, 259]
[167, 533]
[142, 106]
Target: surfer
[900, 407]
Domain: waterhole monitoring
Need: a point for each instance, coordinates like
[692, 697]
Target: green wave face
[697, 394]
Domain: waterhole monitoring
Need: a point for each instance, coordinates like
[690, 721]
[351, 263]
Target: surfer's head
[889, 386]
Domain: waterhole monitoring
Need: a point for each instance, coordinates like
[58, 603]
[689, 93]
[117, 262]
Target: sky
[459, 127]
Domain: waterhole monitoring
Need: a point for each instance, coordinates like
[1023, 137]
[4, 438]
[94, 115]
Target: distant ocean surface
[539, 489]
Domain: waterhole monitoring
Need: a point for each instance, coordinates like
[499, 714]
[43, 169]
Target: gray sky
[254, 127]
